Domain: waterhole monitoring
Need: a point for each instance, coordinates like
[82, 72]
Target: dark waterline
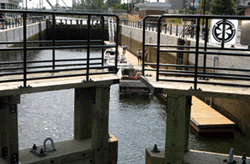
[136, 122]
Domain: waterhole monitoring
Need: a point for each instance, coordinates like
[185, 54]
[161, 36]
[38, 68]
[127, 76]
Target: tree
[223, 7]
[112, 2]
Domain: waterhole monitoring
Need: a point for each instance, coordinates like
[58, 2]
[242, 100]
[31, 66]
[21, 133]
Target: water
[136, 122]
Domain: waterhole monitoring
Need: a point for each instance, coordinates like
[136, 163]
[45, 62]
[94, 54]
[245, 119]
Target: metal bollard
[244, 160]
[155, 149]
[230, 159]
[52, 144]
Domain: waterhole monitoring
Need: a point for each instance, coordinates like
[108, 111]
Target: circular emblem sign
[217, 31]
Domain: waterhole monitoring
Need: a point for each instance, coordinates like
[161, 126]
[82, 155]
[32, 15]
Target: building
[9, 4]
[176, 4]
[154, 8]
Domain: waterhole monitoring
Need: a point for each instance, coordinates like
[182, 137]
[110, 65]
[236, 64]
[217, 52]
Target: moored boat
[110, 53]
[130, 83]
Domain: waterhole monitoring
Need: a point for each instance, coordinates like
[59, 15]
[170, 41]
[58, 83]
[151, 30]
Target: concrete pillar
[83, 113]
[9, 128]
[176, 130]
[100, 115]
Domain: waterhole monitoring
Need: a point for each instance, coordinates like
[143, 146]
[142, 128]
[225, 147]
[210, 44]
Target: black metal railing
[166, 28]
[203, 69]
[18, 70]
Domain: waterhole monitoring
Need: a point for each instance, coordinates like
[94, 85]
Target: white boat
[110, 53]
[121, 63]
[130, 84]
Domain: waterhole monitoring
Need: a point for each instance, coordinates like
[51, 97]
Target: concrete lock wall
[16, 35]
[236, 110]
[223, 61]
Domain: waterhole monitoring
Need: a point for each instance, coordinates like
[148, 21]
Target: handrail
[200, 71]
[19, 70]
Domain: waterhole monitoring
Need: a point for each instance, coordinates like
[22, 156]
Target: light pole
[193, 7]
[204, 5]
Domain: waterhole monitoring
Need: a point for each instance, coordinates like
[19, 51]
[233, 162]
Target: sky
[35, 3]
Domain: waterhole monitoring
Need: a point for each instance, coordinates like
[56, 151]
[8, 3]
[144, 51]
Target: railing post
[177, 30]
[205, 49]
[103, 33]
[197, 53]
[170, 29]
[223, 33]
[24, 50]
[53, 41]
[117, 40]
[88, 47]
[143, 44]
[158, 49]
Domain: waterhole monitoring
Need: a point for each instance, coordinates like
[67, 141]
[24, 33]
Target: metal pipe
[158, 48]
[197, 52]
[24, 49]
[223, 33]
[117, 40]
[88, 47]
[205, 48]
[53, 39]
[103, 36]
[143, 44]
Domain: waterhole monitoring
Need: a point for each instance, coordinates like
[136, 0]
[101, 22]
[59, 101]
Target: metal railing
[198, 71]
[166, 28]
[18, 71]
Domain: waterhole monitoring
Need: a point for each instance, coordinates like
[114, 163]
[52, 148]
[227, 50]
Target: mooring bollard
[244, 160]
[155, 149]
[230, 159]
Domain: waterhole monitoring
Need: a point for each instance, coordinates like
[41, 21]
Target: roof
[153, 6]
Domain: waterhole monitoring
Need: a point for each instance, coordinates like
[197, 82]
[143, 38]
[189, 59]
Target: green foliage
[112, 2]
[223, 7]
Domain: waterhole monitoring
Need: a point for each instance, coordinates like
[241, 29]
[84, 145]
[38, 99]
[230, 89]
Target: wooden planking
[207, 90]
[7, 89]
[205, 115]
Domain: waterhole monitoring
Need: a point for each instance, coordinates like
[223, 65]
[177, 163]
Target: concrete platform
[191, 157]
[180, 88]
[12, 88]
[68, 152]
